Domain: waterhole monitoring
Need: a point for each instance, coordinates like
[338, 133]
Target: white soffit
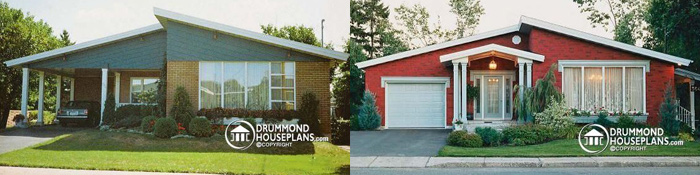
[492, 47]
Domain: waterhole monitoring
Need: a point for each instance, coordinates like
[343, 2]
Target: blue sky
[88, 20]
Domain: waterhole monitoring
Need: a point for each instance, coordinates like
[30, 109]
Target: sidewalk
[520, 162]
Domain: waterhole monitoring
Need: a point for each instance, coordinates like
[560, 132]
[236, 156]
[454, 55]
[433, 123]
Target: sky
[88, 20]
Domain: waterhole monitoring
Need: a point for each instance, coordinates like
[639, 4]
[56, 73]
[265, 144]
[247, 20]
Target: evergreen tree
[668, 112]
[108, 115]
[367, 24]
[368, 117]
[162, 94]
[181, 110]
[349, 86]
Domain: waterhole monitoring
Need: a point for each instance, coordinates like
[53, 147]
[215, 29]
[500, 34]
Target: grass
[565, 148]
[99, 150]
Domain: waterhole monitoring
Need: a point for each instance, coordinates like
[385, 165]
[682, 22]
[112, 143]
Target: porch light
[492, 65]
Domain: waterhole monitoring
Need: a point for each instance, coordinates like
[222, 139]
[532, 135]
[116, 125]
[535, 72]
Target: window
[250, 85]
[616, 88]
[140, 86]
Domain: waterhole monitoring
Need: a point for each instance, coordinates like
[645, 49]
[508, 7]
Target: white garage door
[415, 105]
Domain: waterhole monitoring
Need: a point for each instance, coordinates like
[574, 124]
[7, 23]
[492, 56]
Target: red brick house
[421, 87]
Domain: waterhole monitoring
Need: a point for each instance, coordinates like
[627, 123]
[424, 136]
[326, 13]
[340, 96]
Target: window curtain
[593, 86]
[613, 88]
[234, 85]
[634, 87]
[258, 85]
[210, 86]
[572, 87]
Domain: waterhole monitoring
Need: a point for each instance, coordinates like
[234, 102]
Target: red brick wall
[557, 47]
[428, 65]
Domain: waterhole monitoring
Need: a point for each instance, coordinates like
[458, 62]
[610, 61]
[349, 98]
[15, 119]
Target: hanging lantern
[492, 65]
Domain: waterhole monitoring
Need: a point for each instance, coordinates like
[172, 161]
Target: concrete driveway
[398, 142]
[18, 138]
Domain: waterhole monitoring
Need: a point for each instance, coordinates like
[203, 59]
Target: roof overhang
[85, 45]
[490, 50]
[164, 16]
[687, 73]
[524, 26]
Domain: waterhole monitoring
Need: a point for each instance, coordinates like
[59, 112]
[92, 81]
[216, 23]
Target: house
[218, 65]
[421, 88]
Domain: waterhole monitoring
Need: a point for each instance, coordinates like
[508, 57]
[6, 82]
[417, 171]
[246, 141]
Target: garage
[415, 105]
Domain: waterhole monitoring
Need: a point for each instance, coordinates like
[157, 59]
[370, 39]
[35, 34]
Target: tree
[668, 112]
[20, 36]
[672, 28]
[368, 117]
[368, 19]
[162, 94]
[418, 32]
[181, 110]
[468, 13]
[295, 33]
[622, 16]
[65, 39]
[349, 86]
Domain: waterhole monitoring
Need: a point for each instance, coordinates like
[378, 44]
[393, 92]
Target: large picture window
[142, 86]
[616, 88]
[250, 85]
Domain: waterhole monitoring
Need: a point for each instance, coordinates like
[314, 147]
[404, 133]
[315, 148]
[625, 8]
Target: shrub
[354, 123]
[685, 128]
[147, 123]
[200, 127]
[668, 112]
[165, 128]
[570, 132]
[127, 111]
[464, 139]
[48, 116]
[625, 121]
[182, 108]
[530, 134]
[130, 122]
[518, 142]
[369, 118]
[490, 136]
[109, 114]
[537, 98]
[340, 134]
[308, 112]
[216, 115]
[686, 137]
[603, 119]
[555, 116]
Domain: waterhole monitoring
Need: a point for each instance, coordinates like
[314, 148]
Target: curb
[520, 162]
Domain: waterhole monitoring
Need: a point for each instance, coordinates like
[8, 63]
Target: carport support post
[464, 92]
[25, 88]
[455, 87]
[692, 103]
[40, 113]
[104, 94]
[59, 85]
[72, 89]
[117, 79]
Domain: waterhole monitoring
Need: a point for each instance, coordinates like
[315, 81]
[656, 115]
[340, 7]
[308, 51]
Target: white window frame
[293, 88]
[131, 80]
[582, 64]
[245, 91]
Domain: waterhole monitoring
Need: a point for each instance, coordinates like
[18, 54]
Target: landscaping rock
[182, 136]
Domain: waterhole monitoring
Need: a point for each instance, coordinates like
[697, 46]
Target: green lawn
[565, 148]
[92, 149]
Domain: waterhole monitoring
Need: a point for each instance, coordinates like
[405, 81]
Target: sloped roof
[525, 24]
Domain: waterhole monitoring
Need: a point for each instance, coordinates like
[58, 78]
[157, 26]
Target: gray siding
[132, 53]
[189, 43]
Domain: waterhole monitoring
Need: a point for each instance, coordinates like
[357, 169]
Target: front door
[493, 97]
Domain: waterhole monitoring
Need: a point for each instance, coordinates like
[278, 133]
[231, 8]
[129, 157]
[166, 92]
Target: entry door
[493, 99]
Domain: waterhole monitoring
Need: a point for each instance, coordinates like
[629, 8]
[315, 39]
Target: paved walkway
[479, 162]
[50, 171]
[18, 138]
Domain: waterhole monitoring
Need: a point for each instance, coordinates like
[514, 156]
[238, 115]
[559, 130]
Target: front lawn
[100, 150]
[565, 148]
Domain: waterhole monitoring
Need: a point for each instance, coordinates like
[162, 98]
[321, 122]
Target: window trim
[131, 80]
[644, 64]
[245, 90]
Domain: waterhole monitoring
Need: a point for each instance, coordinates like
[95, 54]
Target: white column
[72, 89]
[455, 87]
[59, 86]
[40, 105]
[521, 82]
[529, 75]
[692, 103]
[117, 80]
[104, 94]
[25, 88]
[464, 92]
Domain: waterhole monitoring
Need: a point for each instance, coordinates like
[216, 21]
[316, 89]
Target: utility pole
[322, 20]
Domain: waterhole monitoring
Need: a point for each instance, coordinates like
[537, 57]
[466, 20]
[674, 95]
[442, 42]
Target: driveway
[18, 138]
[398, 142]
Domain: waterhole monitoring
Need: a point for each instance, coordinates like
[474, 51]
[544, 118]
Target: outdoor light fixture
[492, 65]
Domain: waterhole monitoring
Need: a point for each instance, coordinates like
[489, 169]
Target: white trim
[104, 94]
[72, 89]
[84, 45]
[131, 81]
[687, 73]
[117, 88]
[603, 63]
[434, 47]
[463, 85]
[492, 47]
[604, 41]
[481, 75]
[59, 87]
[415, 80]
[418, 81]
[582, 100]
[40, 101]
[455, 94]
[162, 14]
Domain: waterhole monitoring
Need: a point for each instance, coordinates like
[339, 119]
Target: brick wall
[315, 77]
[557, 47]
[185, 74]
[125, 82]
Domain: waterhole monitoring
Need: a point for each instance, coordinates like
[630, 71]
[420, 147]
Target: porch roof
[687, 73]
[491, 50]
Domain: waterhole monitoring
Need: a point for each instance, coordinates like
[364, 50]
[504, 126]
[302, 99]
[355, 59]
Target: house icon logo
[592, 140]
[238, 136]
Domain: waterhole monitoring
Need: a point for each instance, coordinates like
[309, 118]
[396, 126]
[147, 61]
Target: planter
[458, 127]
[591, 119]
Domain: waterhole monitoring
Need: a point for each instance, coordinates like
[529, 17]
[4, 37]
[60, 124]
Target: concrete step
[498, 125]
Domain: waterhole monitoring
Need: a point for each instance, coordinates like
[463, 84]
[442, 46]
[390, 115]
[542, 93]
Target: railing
[685, 116]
